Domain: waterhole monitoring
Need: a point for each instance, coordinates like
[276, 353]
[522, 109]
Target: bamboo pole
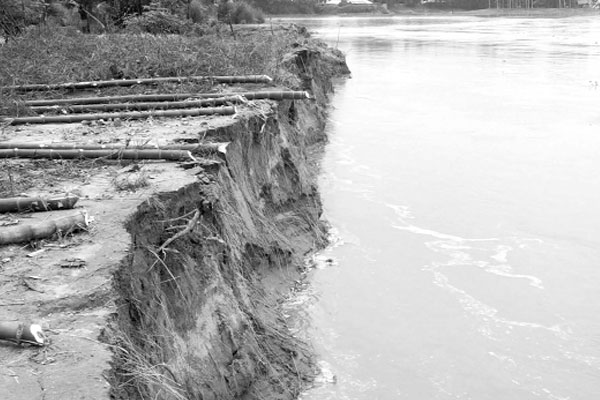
[20, 204]
[18, 332]
[277, 95]
[142, 81]
[45, 229]
[273, 95]
[111, 154]
[142, 106]
[196, 148]
[122, 115]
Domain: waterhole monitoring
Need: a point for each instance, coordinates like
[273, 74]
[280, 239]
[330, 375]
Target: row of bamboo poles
[127, 107]
[67, 150]
[256, 95]
[134, 107]
[143, 81]
[94, 108]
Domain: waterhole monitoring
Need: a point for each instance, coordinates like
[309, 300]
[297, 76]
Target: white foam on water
[326, 374]
[503, 358]
[534, 384]
[533, 281]
[428, 232]
[322, 261]
[587, 360]
[501, 254]
[402, 212]
[459, 250]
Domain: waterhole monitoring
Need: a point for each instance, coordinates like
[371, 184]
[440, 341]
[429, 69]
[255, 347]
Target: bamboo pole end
[222, 148]
[37, 333]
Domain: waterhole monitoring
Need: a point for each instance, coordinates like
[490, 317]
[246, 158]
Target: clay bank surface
[172, 289]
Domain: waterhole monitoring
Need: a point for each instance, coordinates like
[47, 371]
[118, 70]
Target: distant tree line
[505, 4]
[178, 16]
[155, 16]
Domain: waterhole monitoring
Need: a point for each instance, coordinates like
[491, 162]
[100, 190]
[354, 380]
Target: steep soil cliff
[198, 316]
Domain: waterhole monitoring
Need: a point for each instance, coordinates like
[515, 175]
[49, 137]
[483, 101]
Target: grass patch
[131, 181]
[19, 176]
[52, 54]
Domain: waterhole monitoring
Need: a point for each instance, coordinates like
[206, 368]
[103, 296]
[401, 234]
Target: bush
[287, 6]
[244, 13]
[239, 13]
[197, 12]
[155, 20]
[15, 16]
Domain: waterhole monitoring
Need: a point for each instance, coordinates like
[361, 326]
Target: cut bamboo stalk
[22, 204]
[142, 106]
[198, 148]
[111, 154]
[273, 95]
[18, 332]
[277, 95]
[142, 81]
[122, 115]
[45, 229]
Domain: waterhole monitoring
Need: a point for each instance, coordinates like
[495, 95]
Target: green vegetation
[97, 16]
[288, 6]
[48, 53]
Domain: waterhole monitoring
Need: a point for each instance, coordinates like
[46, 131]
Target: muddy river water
[462, 181]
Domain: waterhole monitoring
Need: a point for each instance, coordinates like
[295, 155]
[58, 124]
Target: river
[462, 183]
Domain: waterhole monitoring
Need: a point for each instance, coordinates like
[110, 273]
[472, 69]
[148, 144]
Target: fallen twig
[31, 286]
[36, 253]
[14, 303]
[73, 263]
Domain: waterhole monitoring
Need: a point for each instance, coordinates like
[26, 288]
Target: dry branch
[122, 115]
[20, 204]
[273, 95]
[190, 225]
[143, 81]
[143, 106]
[125, 154]
[19, 332]
[45, 229]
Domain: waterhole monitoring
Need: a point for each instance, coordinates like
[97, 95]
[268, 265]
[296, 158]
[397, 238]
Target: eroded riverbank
[179, 281]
